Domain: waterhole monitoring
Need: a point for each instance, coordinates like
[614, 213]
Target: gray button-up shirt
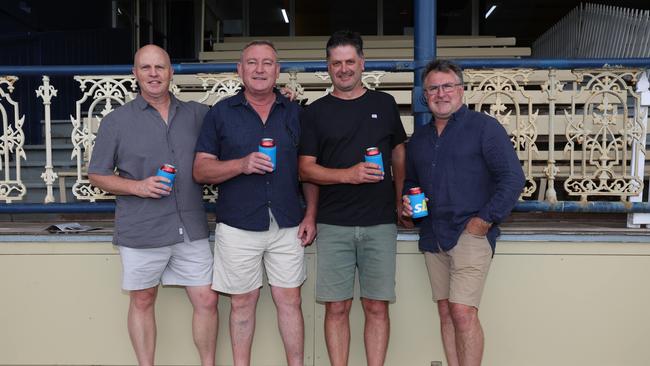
[135, 141]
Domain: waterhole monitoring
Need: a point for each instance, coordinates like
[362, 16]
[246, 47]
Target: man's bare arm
[360, 173]
[151, 187]
[209, 169]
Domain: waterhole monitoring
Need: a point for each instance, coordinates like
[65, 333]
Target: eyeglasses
[446, 88]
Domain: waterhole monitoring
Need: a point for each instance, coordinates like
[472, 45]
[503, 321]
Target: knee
[143, 299]
[288, 300]
[463, 316]
[338, 309]
[245, 301]
[444, 312]
[375, 309]
[207, 299]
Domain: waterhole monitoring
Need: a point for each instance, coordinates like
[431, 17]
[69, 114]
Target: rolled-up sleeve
[505, 168]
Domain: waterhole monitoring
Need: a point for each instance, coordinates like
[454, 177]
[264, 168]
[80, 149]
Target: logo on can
[418, 203]
[168, 171]
[267, 147]
[373, 155]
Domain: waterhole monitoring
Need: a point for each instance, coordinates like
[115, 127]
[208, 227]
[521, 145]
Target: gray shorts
[184, 264]
[343, 249]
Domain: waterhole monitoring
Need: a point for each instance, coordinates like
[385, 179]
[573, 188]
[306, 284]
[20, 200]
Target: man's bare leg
[337, 331]
[204, 321]
[141, 323]
[448, 332]
[242, 325]
[376, 330]
[290, 323]
[469, 334]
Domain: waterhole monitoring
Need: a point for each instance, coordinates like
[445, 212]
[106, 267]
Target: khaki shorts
[240, 257]
[460, 273]
[184, 264]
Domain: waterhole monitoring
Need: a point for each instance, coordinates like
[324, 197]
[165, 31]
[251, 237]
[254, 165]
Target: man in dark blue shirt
[259, 213]
[467, 168]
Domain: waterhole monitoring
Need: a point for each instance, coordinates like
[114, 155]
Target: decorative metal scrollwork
[12, 141]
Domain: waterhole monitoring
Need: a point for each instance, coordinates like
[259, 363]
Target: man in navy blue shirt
[259, 213]
[467, 168]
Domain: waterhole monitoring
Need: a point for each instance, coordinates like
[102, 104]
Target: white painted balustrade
[580, 134]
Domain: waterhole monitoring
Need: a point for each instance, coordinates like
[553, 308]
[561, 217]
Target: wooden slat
[379, 54]
[376, 43]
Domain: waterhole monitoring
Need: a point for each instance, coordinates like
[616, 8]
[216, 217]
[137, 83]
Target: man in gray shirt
[161, 232]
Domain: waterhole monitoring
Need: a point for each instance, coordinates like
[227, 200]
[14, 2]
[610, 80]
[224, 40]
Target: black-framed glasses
[446, 88]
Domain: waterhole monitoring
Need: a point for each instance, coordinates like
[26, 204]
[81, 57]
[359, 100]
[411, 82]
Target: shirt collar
[141, 103]
[459, 114]
[240, 99]
[456, 116]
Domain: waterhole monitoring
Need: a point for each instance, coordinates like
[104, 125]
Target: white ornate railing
[580, 134]
[11, 143]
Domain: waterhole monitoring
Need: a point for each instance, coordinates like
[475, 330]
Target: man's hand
[289, 93]
[307, 231]
[404, 213]
[256, 163]
[152, 187]
[406, 206]
[364, 173]
[477, 226]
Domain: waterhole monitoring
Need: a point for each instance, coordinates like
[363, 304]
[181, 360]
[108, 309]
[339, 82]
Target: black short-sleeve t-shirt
[337, 132]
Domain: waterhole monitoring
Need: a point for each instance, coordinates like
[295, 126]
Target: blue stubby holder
[268, 151]
[170, 176]
[376, 159]
[418, 205]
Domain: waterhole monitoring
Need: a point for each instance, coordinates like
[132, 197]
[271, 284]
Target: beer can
[418, 203]
[267, 147]
[373, 155]
[168, 171]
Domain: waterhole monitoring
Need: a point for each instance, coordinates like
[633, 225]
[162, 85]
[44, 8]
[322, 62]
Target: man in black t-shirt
[357, 204]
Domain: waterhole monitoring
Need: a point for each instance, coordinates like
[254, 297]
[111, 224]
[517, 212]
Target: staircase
[34, 166]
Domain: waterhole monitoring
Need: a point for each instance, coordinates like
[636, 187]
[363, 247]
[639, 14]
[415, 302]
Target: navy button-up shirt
[471, 169]
[231, 130]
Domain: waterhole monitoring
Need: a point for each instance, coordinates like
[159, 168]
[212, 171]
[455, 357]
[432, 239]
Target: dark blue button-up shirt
[231, 130]
[471, 169]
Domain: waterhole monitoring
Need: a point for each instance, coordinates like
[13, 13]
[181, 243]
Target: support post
[424, 41]
[46, 92]
[635, 220]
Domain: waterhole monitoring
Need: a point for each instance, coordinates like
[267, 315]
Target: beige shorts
[240, 257]
[460, 273]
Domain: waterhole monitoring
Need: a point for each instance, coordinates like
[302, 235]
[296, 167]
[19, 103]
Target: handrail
[522, 206]
[313, 66]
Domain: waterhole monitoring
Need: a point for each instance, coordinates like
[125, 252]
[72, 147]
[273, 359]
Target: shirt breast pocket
[238, 141]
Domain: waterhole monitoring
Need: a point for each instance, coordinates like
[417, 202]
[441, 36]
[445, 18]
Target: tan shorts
[240, 257]
[460, 273]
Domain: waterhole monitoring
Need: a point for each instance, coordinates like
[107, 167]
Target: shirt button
[267, 182]
[433, 164]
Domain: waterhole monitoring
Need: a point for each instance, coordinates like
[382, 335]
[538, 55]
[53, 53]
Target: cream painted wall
[545, 303]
